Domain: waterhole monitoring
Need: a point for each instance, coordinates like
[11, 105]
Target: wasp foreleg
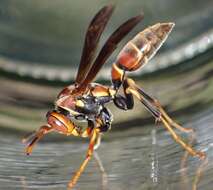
[35, 137]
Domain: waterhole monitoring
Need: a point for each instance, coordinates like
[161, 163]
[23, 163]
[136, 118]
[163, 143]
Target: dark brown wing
[93, 34]
[109, 47]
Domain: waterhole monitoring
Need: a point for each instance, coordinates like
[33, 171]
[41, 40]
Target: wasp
[85, 101]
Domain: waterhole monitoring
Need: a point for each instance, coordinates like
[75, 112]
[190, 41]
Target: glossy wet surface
[140, 158]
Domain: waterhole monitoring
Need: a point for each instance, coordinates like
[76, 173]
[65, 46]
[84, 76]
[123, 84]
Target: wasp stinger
[86, 101]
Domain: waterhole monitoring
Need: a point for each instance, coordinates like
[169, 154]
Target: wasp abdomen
[140, 49]
[143, 46]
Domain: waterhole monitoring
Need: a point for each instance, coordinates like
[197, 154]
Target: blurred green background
[41, 43]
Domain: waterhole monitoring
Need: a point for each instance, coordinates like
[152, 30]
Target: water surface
[141, 158]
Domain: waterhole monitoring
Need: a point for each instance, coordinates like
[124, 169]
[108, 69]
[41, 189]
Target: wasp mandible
[86, 101]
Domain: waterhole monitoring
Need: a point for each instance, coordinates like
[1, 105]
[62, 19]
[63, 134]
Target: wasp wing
[108, 49]
[93, 34]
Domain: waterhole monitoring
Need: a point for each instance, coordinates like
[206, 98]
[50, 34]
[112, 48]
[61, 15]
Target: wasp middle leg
[94, 136]
[101, 124]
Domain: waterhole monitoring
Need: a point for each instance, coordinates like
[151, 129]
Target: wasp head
[59, 122]
[67, 91]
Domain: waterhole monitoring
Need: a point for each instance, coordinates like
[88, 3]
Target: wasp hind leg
[160, 115]
[35, 137]
[163, 113]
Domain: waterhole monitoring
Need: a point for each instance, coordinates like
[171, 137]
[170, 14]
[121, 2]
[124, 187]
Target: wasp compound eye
[48, 114]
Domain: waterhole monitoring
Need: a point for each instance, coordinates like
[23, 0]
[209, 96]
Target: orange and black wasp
[86, 101]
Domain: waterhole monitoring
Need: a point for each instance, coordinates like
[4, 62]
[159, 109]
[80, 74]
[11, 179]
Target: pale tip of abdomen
[171, 25]
[167, 27]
